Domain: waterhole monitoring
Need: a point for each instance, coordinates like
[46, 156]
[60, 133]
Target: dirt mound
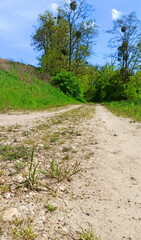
[5, 64]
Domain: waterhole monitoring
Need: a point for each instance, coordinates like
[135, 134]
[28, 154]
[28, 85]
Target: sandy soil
[105, 196]
[28, 119]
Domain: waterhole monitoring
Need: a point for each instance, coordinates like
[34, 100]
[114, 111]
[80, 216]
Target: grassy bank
[131, 109]
[20, 90]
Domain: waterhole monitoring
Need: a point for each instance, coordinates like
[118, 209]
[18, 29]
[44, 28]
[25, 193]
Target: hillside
[24, 87]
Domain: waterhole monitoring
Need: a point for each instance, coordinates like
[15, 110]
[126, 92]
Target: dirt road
[30, 119]
[104, 196]
[117, 176]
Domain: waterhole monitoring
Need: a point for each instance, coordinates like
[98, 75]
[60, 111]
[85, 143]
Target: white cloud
[115, 14]
[54, 7]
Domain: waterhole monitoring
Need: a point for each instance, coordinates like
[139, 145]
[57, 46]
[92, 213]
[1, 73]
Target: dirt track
[106, 195]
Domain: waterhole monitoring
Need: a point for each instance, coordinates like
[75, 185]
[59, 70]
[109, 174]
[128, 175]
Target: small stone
[9, 214]
[18, 178]
[62, 189]
[66, 203]
[65, 229]
[7, 195]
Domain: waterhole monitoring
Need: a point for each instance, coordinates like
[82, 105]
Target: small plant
[21, 229]
[50, 207]
[11, 153]
[4, 188]
[66, 149]
[53, 139]
[66, 157]
[60, 173]
[31, 181]
[47, 147]
[29, 141]
[19, 166]
[23, 234]
[87, 235]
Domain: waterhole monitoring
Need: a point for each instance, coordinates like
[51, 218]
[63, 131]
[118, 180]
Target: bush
[133, 87]
[109, 86]
[68, 84]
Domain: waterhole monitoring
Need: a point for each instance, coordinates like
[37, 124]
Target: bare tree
[126, 38]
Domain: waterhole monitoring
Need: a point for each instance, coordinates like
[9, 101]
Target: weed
[31, 181]
[74, 151]
[66, 149]
[1, 173]
[60, 173]
[29, 141]
[87, 235]
[47, 147]
[25, 133]
[19, 166]
[23, 234]
[10, 153]
[53, 139]
[20, 232]
[66, 157]
[4, 188]
[50, 207]
[56, 121]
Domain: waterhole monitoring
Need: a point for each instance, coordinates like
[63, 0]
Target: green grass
[131, 109]
[50, 207]
[30, 93]
[88, 235]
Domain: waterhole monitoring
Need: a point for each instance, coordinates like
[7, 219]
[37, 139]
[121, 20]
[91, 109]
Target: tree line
[66, 40]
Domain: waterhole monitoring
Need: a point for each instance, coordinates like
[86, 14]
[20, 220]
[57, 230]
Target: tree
[65, 39]
[50, 39]
[126, 38]
[82, 31]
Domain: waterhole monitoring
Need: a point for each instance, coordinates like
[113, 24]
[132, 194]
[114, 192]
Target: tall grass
[25, 91]
[131, 109]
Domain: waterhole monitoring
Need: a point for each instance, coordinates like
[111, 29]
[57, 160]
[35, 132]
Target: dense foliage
[68, 84]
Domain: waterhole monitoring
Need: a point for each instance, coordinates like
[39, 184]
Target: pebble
[7, 195]
[9, 214]
[62, 188]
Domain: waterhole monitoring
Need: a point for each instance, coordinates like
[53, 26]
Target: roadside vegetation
[130, 109]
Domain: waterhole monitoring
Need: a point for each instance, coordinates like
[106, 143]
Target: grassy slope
[131, 109]
[28, 92]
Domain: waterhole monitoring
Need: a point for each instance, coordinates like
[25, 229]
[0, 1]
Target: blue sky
[18, 18]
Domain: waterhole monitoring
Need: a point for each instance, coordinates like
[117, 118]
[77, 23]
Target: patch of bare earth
[88, 176]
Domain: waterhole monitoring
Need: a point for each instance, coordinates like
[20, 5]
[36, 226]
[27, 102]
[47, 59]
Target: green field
[22, 90]
[131, 109]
